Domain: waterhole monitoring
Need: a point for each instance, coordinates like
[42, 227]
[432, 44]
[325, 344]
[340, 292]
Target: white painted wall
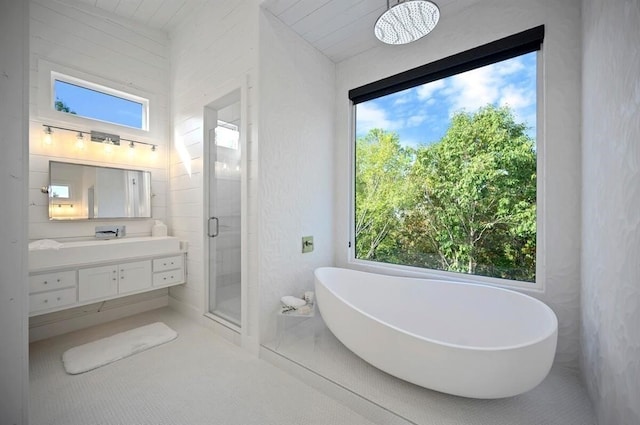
[478, 24]
[611, 209]
[212, 54]
[14, 168]
[84, 39]
[296, 165]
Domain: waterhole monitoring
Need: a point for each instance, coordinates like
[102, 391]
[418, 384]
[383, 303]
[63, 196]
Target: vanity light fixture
[406, 21]
[107, 139]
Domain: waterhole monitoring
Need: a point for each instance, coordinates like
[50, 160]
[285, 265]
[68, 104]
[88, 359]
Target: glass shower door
[224, 224]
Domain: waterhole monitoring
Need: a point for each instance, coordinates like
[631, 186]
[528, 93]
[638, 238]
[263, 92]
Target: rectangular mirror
[81, 192]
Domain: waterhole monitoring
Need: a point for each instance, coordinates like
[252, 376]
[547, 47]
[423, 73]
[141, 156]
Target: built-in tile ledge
[92, 251]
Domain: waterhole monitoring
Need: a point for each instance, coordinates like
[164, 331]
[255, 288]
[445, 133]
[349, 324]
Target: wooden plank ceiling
[338, 28]
[341, 28]
[157, 14]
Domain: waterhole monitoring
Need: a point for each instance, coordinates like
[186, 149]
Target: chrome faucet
[110, 232]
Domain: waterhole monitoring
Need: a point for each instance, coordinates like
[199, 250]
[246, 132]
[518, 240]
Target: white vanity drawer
[53, 299]
[168, 263]
[167, 278]
[49, 281]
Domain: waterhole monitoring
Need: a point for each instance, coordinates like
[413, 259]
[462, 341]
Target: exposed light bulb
[80, 140]
[48, 138]
[108, 145]
[154, 152]
[132, 149]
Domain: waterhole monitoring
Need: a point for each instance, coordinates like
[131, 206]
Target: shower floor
[228, 303]
[559, 399]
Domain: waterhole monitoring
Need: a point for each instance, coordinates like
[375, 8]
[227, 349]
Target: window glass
[445, 173]
[227, 135]
[89, 102]
[59, 191]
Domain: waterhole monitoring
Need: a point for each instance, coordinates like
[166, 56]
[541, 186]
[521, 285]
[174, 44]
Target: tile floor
[199, 378]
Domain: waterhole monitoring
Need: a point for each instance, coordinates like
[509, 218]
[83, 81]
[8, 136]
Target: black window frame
[496, 51]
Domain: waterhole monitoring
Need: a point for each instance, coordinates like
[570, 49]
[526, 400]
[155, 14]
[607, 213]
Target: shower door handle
[213, 235]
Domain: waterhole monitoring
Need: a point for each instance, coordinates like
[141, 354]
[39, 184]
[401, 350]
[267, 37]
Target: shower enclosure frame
[236, 90]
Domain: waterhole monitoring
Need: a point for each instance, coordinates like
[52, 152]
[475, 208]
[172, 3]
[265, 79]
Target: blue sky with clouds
[97, 105]
[421, 115]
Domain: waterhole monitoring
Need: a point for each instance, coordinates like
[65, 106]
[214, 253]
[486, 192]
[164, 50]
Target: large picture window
[446, 163]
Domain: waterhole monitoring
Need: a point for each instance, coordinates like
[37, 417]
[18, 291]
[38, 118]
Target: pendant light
[406, 21]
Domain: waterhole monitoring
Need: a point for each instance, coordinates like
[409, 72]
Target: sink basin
[92, 251]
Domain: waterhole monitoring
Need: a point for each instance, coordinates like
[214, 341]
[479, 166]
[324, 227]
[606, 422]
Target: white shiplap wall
[93, 42]
[212, 53]
[611, 203]
[296, 165]
[478, 24]
[110, 48]
[14, 167]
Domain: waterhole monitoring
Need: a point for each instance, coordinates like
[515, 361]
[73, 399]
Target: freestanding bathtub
[463, 339]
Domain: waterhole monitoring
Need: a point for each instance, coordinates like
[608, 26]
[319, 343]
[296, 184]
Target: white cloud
[494, 84]
[425, 91]
[473, 89]
[516, 98]
[401, 100]
[369, 116]
[416, 120]
[508, 67]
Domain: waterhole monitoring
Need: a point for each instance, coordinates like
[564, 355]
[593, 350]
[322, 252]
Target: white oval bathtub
[462, 339]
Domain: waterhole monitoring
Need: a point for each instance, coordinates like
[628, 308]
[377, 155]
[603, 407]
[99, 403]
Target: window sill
[409, 271]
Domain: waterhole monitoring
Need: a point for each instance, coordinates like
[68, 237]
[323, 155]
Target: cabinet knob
[58, 280]
[45, 301]
[58, 298]
[114, 278]
[45, 282]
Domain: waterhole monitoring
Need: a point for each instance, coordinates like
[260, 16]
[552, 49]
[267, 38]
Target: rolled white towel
[291, 301]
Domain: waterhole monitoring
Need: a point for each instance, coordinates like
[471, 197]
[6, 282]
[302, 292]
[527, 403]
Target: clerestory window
[82, 98]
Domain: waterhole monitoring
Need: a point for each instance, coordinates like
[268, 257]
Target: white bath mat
[107, 350]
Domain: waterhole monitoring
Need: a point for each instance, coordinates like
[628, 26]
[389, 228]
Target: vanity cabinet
[52, 290]
[169, 270]
[80, 284]
[105, 281]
